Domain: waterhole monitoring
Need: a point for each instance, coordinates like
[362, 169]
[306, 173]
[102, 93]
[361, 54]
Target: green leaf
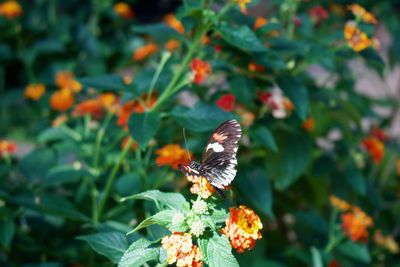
[241, 37]
[111, 82]
[138, 254]
[256, 187]
[111, 245]
[7, 230]
[203, 244]
[128, 184]
[219, 252]
[163, 218]
[316, 258]
[51, 135]
[159, 31]
[297, 93]
[36, 164]
[355, 179]
[65, 174]
[263, 136]
[355, 251]
[243, 89]
[374, 59]
[144, 126]
[288, 47]
[219, 215]
[200, 118]
[170, 200]
[295, 152]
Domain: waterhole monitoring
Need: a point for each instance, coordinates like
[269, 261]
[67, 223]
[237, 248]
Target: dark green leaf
[243, 89]
[128, 184]
[355, 180]
[219, 252]
[241, 37]
[297, 93]
[355, 251]
[263, 136]
[36, 164]
[163, 218]
[171, 200]
[143, 127]
[65, 174]
[159, 31]
[138, 254]
[110, 82]
[7, 229]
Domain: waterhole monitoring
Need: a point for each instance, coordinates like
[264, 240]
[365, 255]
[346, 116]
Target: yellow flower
[34, 91]
[386, 242]
[339, 204]
[356, 39]
[180, 249]
[242, 4]
[242, 228]
[174, 23]
[123, 10]
[10, 9]
[65, 79]
[363, 14]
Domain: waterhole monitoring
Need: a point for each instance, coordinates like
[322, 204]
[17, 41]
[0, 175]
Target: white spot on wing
[216, 147]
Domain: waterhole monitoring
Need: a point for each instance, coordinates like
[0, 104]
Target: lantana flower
[145, 51]
[172, 44]
[62, 100]
[242, 5]
[226, 102]
[254, 67]
[123, 10]
[34, 91]
[201, 186]
[174, 23]
[363, 14]
[308, 124]
[96, 106]
[259, 23]
[246, 116]
[386, 242]
[59, 120]
[171, 155]
[355, 224]
[197, 228]
[375, 148]
[134, 106]
[65, 80]
[242, 228]
[200, 207]
[318, 14]
[200, 69]
[10, 9]
[181, 250]
[7, 147]
[356, 39]
[339, 204]
[280, 105]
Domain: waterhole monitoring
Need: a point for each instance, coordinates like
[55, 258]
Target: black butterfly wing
[218, 162]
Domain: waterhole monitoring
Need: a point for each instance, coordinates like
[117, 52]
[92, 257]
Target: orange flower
[398, 167]
[200, 186]
[242, 5]
[134, 106]
[174, 23]
[145, 51]
[61, 119]
[34, 91]
[108, 101]
[200, 69]
[91, 106]
[356, 39]
[259, 23]
[123, 10]
[361, 13]
[308, 124]
[339, 204]
[226, 102]
[61, 100]
[172, 155]
[255, 67]
[246, 117]
[375, 148]
[386, 242]
[242, 228]
[65, 79]
[180, 249]
[7, 148]
[355, 224]
[172, 45]
[10, 9]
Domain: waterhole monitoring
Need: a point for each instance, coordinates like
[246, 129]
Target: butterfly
[218, 161]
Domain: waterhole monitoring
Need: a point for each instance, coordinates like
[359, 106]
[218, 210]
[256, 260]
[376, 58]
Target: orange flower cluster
[355, 38]
[96, 106]
[386, 242]
[355, 224]
[7, 147]
[375, 148]
[34, 91]
[145, 51]
[180, 249]
[259, 23]
[362, 14]
[242, 5]
[308, 124]
[10, 9]
[63, 99]
[65, 79]
[242, 228]
[338, 203]
[123, 10]
[172, 155]
[174, 23]
[172, 45]
[201, 186]
[200, 69]
[134, 106]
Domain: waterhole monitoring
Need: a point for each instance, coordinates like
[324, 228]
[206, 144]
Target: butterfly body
[218, 162]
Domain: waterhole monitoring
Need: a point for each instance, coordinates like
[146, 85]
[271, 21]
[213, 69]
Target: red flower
[7, 147]
[201, 69]
[379, 133]
[375, 148]
[226, 102]
[318, 14]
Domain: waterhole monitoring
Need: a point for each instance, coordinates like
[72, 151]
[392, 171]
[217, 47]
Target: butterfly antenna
[187, 147]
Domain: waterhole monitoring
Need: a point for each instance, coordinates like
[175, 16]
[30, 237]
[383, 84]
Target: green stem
[164, 58]
[99, 139]
[111, 178]
[86, 125]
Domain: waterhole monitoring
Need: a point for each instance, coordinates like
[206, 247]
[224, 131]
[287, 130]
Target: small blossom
[308, 124]
[356, 39]
[172, 45]
[65, 80]
[10, 9]
[109, 101]
[197, 228]
[200, 207]
[61, 100]
[360, 12]
[226, 102]
[386, 242]
[171, 155]
[34, 91]
[7, 147]
[127, 79]
[398, 167]
[177, 218]
[59, 120]
[246, 117]
[174, 23]
[201, 186]
[200, 69]
[123, 10]
[242, 228]
[90, 106]
[297, 21]
[280, 105]
[133, 106]
[339, 204]
[254, 67]
[318, 14]
[259, 23]
[180, 249]
[242, 5]
[145, 51]
[355, 224]
[375, 148]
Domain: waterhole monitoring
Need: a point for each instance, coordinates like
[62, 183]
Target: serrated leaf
[263, 136]
[111, 245]
[297, 93]
[170, 200]
[163, 218]
[219, 252]
[241, 37]
[143, 127]
[203, 244]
